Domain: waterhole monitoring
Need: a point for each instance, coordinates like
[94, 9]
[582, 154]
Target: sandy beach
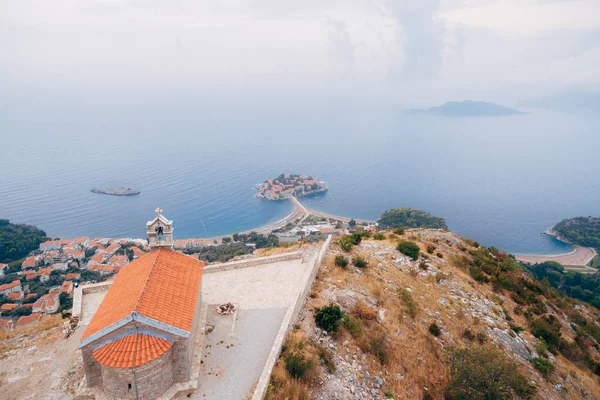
[581, 256]
[343, 219]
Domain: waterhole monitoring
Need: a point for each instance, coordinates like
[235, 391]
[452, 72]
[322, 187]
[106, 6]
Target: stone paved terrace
[264, 294]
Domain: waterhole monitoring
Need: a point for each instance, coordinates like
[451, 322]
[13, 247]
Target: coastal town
[286, 186]
[42, 284]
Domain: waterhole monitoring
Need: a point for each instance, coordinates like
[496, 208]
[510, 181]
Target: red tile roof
[15, 296]
[99, 257]
[11, 285]
[28, 319]
[29, 262]
[162, 285]
[45, 271]
[131, 351]
[6, 324]
[8, 306]
[119, 260]
[66, 286]
[104, 268]
[137, 252]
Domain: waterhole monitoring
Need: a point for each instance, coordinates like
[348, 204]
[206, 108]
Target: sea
[501, 181]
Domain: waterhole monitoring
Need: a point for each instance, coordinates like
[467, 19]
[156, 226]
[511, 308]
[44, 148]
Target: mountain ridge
[468, 108]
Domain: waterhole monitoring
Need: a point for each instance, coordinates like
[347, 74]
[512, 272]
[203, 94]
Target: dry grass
[282, 385]
[400, 347]
[43, 331]
[45, 323]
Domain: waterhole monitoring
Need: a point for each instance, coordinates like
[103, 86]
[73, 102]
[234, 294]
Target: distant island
[119, 191]
[583, 231]
[286, 186]
[469, 108]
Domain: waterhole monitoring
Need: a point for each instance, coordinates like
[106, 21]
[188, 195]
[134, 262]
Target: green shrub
[434, 329]
[341, 261]
[379, 349]
[296, 365]
[430, 248]
[482, 337]
[399, 230]
[346, 243]
[542, 348]
[352, 325]
[411, 306]
[468, 335]
[482, 373]
[410, 249]
[544, 366]
[547, 328]
[440, 255]
[359, 262]
[379, 236]
[328, 317]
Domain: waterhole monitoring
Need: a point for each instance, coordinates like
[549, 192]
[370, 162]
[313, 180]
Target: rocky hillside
[455, 321]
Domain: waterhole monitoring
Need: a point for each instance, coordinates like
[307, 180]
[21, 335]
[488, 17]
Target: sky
[417, 52]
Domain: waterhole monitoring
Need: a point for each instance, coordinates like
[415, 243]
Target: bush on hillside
[297, 365]
[434, 329]
[359, 262]
[341, 261]
[409, 249]
[328, 318]
[481, 373]
[544, 366]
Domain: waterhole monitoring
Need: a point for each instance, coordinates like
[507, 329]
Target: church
[141, 339]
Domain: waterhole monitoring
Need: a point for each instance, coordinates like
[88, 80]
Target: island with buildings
[286, 186]
[118, 191]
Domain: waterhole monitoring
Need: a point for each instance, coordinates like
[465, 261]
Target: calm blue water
[500, 181]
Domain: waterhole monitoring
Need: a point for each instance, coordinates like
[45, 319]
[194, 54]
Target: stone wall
[93, 372]
[251, 262]
[147, 381]
[288, 320]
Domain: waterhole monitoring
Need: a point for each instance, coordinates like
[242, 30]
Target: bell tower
[160, 231]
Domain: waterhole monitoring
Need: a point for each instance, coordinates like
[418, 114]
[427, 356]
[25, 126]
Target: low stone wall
[251, 262]
[288, 320]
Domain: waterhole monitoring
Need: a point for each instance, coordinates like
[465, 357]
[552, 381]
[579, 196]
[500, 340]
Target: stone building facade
[141, 340]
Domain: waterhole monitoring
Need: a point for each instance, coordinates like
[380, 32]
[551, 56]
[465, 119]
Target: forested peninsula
[584, 231]
[17, 240]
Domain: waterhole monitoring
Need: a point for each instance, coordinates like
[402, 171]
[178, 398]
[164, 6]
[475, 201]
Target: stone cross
[158, 211]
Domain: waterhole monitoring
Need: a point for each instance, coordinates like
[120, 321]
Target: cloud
[426, 50]
[342, 50]
[422, 34]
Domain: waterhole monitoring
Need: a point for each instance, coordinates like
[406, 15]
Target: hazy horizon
[413, 53]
